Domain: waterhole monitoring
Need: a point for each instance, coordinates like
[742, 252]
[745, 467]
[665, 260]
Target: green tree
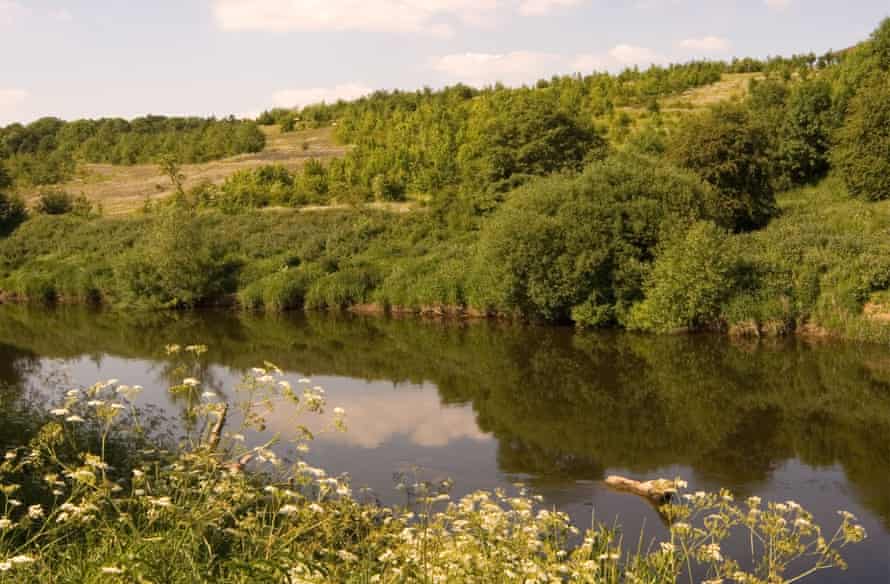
[731, 152]
[805, 135]
[689, 282]
[862, 153]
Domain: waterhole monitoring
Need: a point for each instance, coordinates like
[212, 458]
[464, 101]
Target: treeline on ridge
[47, 151]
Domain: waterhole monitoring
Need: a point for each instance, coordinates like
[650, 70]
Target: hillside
[122, 189]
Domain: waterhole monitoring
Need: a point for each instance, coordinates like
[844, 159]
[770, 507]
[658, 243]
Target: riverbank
[819, 269]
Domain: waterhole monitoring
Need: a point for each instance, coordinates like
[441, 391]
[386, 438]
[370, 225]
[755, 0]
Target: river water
[489, 404]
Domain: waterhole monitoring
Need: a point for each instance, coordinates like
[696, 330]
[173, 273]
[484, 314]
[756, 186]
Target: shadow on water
[562, 406]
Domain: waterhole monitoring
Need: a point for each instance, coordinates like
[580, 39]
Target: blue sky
[90, 58]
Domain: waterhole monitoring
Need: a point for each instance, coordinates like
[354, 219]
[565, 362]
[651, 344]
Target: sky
[95, 58]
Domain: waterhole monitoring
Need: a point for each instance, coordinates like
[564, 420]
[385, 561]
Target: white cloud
[484, 68]
[707, 44]
[777, 4]
[378, 414]
[61, 15]
[10, 100]
[313, 95]
[10, 12]
[538, 7]
[520, 67]
[405, 16]
[630, 56]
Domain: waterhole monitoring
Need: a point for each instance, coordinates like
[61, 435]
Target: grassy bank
[90, 494]
[820, 267]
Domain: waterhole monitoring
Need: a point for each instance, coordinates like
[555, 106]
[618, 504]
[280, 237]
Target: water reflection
[488, 402]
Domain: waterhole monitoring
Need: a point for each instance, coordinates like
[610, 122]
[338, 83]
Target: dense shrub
[689, 282]
[174, 265]
[54, 203]
[561, 244]
[12, 213]
[731, 152]
[862, 154]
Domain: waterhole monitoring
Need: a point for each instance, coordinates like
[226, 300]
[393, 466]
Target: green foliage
[805, 135]
[269, 185]
[46, 151]
[561, 244]
[729, 151]
[173, 266]
[523, 133]
[54, 202]
[689, 282]
[12, 213]
[862, 155]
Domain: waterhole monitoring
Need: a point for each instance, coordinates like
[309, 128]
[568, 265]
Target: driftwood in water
[216, 432]
[658, 492]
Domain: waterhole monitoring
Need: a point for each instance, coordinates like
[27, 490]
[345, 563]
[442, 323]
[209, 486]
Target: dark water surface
[489, 404]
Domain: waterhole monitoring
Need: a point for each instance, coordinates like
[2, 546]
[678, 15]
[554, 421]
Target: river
[489, 404]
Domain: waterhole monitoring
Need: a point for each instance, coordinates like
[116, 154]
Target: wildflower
[35, 512]
[347, 556]
[680, 484]
[754, 501]
[74, 419]
[5, 523]
[138, 473]
[315, 507]
[111, 570]
[288, 509]
[59, 412]
[667, 547]
[712, 552]
[5, 566]
[339, 411]
[681, 527]
[191, 382]
[11, 455]
[164, 502]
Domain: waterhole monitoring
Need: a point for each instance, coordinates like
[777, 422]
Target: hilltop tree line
[47, 151]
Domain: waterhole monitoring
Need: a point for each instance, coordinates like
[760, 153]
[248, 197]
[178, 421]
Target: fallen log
[658, 492]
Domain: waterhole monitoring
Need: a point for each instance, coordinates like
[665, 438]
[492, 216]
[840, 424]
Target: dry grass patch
[123, 189]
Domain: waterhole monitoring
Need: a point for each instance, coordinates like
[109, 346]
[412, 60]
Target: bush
[54, 203]
[862, 154]
[12, 213]
[689, 282]
[583, 243]
[731, 152]
[174, 265]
